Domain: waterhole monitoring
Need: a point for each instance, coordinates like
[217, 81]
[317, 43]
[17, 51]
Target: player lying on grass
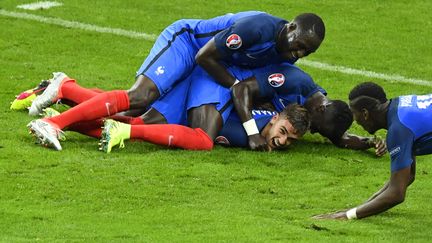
[209, 104]
[208, 107]
[214, 43]
[407, 120]
[280, 129]
[283, 85]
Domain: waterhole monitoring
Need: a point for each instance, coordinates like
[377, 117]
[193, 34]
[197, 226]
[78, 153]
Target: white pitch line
[364, 73]
[152, 37]
[39, 5]
[78, 25]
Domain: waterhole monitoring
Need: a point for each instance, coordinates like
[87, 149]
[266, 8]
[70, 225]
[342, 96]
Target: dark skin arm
[243, 95]
[316, 103]
[208, 58]
[352, 141]
[392, 194]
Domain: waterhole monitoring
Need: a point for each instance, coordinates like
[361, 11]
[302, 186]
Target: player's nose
[283, 140]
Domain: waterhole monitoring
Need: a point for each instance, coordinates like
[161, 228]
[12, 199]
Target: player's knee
[137, 100]
[143, 93]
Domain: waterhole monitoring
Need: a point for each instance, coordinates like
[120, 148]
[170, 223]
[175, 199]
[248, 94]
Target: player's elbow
[201, 58]
[397, 197]
[412, 179]
[400, 198]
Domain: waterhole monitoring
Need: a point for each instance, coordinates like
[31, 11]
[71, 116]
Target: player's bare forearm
[243, 95]
[352, 141]
[208, 58]
[388, 198]
[355, 142]
[382, 201]
[392, 194]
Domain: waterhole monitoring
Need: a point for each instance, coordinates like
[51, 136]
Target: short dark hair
[368, 89]
[311, 21]
[298, 116]
[367, 95]
[365, 102]
[342, 118]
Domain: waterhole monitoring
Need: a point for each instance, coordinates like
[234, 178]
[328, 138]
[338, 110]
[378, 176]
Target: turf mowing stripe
[151, 37]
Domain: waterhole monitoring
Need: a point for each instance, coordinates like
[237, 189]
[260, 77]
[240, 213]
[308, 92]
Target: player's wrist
[370, 141]
[352, 213]
[251, 127]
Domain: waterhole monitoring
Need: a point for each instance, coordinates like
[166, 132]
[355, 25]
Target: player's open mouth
[275, 143]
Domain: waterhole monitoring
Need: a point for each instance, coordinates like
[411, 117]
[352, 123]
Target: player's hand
[258, 142]
[335, 215]
[380, 147]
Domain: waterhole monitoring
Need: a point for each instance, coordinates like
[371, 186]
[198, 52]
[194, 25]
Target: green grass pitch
[147, 193]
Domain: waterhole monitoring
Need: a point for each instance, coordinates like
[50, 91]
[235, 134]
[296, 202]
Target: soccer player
[284, 84]
[204, 95]
[213, 44]
[279, 129]
[407, 121]
[208, 110]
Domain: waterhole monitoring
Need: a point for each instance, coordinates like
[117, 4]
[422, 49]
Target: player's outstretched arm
[243, 95]
[352, 141]
[381, 201]
[208, 58]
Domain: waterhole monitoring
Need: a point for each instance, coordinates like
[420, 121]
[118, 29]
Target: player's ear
[365, 114]
[291, 26]
[274, 119]
[321, 108]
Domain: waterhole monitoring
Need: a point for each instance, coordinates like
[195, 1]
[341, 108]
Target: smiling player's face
[295, 43]
[281, 133]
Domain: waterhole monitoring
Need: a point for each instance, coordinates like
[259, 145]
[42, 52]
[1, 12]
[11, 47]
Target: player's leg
[171, 135]
[171, 109]
[207, 118]
[171, 59]
[94, 128]
[75, 93]
[61, 87]
[152, 116]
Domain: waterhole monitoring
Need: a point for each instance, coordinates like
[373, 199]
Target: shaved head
[312, 23]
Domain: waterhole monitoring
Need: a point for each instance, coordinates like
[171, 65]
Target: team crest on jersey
[234, 42]
[221, 140]
[276, 79]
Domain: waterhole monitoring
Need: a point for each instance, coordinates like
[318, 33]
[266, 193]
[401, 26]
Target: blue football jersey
[251, 41]
[233, 133]
[172, 57]
[409, 129]
[201, 31]
[284, 84]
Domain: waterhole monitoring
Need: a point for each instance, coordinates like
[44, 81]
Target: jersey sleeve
[285, 80]
[400, 144]
[239, 36]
